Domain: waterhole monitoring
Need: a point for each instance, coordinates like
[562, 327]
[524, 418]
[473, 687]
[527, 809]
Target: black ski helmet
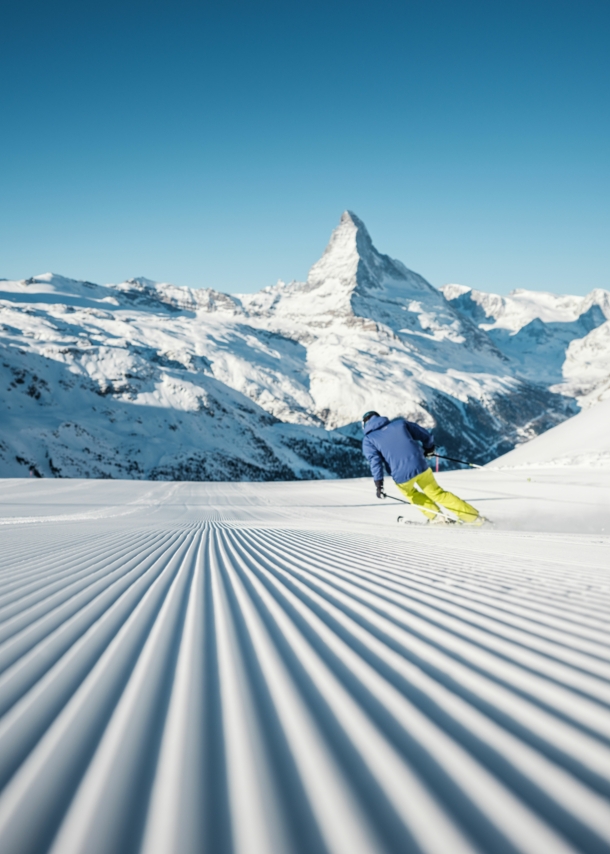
[368, 415]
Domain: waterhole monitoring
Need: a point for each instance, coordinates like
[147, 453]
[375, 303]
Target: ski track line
[332, 641]
[421, 582]
[480, 580]
[596, 661]
[58, 575]
[242, 684]
[35, 557]
[442, 656]
[471, 624]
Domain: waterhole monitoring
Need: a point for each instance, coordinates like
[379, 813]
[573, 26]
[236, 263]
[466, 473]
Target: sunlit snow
[147, 380]
[277, 668]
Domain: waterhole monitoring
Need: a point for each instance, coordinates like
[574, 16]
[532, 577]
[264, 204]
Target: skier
[396, 445]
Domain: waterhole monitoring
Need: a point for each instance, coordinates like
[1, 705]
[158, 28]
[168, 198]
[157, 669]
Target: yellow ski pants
[432, 495]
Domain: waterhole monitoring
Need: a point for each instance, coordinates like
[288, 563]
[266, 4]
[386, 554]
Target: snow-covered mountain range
[563, 341]
[151, 380]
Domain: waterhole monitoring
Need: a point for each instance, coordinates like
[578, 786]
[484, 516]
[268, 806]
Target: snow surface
[280, 667]
[148, 380]
[583, 440]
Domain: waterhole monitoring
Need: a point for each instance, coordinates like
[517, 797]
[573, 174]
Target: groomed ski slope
[280, 667]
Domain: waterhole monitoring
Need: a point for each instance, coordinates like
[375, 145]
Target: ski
[450, 522]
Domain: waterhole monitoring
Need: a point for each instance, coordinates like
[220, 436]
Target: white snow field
[583, 440]
[268, 668]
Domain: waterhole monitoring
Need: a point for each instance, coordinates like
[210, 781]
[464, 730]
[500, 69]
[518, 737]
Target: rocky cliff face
[151, 380]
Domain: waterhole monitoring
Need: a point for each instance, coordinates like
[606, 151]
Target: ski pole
[463, 462]
[402, 501]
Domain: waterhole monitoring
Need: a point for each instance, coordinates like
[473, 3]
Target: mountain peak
[349, 244]
[349, 221]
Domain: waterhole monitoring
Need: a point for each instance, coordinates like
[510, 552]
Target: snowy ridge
[521, 306]
[583, 440]
[263, 668]
[118, 382]
[563, 339]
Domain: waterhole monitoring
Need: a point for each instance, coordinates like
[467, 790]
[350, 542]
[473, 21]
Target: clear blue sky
[216, 144]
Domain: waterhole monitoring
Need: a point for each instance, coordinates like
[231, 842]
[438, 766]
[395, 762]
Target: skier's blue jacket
[395, 444]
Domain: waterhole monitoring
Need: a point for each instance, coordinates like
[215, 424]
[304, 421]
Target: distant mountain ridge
[562, 340]
[152, 380]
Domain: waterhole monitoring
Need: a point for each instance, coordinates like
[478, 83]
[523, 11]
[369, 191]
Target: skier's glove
[430, 451]
[379, 488]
